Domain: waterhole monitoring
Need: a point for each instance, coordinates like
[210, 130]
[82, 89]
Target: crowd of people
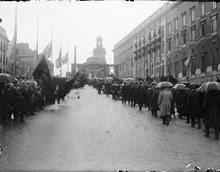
[197, 107]
[24, 97]
[20, 99]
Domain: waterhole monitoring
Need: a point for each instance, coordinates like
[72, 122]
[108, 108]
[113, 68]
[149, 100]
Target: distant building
[95, 64]
[4, 63]
[24, 60]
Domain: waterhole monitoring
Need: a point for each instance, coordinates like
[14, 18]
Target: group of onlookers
[197, 107]
[20, 99]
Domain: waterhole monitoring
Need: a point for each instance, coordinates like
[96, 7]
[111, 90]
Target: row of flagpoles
[12, 53]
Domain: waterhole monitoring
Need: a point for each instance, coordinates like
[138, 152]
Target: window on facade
[193, 33]
[202, 8]
[0, 58]
[162, 70]
[214, 23]
[152, 68]
[203, 65]
[1, 46]
[214, 5]
[162, 32]
[202, 29]
[184, 19]
[176, 41]
[176, 69]
[169, 28]
[162, 47]
[184, 37]
[176, 24]
[184, 67]
[169, 44]
[169, 68]
[193, 65]
[214, 60]
[192, 13]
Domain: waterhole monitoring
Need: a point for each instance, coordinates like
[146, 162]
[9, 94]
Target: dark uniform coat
[154, 100]
[210, 109]
[140, 94]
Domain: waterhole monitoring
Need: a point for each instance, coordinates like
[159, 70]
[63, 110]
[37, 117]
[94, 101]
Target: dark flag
[148, 79]
[172, 79]
[163, 78]
[42, 75]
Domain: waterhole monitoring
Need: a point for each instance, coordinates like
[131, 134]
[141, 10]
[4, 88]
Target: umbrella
[128, 79]
[6, 78]
[109, 78]
[164, 84]
[179, 86]
[208, 86]
[32, 83]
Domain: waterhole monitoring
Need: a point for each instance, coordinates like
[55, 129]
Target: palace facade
[180, 38]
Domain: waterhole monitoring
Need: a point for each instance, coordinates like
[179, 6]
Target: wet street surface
[98, 133]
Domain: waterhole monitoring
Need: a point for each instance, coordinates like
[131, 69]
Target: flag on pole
[48, 50]
[59, 59]
[65, 59]
[36, 52]
[188, 59]
[12, 46]
[42, 75]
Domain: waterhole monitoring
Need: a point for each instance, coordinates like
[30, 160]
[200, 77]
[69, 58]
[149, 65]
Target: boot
[206, 131]
[216, 133]
[164, 120]
[167, 119]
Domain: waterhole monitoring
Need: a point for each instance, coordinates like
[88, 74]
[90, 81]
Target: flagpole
[36, 53]
[51, 44]
[68, 56]
[61, 58]
[15, 41]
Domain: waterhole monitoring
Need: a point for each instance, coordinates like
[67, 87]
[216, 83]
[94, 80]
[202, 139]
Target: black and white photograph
[110, 85]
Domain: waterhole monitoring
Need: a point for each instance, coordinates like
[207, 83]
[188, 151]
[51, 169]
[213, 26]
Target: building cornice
[146, 22]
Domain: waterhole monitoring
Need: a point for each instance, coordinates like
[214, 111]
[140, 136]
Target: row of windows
[3, 47]
[2, 58]
[193, 33]
[126, 64]
[192, 16]
[214, 56]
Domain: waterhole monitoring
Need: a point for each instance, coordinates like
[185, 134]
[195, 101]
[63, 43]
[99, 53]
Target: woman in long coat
[164, 102]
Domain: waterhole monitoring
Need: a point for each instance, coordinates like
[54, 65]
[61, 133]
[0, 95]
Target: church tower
[99, 52]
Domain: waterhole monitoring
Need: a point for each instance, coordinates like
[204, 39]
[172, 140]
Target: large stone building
[162, 44]
[4, 67]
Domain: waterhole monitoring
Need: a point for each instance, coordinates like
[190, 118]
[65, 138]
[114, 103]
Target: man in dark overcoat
[193, 107]
[124, 91]
[18, 104]
[185, 107]
[179, 102]
[4, 102]
[140, 95]
[211, 113]
[154, 102]
[134, 94]
[129, 93]
[149, 94]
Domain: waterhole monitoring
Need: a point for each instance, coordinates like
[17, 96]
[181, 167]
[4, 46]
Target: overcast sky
[75, 23]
